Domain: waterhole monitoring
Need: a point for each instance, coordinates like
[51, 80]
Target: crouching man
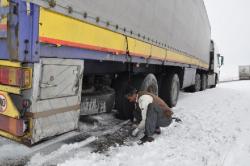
[155, 113]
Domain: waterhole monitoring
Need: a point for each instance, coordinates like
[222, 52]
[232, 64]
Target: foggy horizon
[230, 30]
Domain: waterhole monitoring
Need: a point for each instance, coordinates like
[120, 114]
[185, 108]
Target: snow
[10, 149]
[58, 154]
[13, 153]
[215, 131]
[7, 151]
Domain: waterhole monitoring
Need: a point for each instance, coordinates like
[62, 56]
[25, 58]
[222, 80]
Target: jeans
[155, 118]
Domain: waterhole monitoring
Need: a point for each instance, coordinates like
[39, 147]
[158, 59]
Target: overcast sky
[230, 22]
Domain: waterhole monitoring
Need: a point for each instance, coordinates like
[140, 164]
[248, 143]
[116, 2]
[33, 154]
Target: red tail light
[3, 27]
[12, 76]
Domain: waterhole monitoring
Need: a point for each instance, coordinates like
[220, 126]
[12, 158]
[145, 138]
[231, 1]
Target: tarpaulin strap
[36, 115]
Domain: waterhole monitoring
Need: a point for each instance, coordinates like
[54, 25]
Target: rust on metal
[11, 125]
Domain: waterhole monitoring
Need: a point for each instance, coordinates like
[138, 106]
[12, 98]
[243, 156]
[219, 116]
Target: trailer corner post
[23, 40]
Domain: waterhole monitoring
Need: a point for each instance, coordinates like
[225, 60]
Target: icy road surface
[215, 131]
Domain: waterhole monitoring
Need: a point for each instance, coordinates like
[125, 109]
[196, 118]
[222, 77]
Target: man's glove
[135, 132]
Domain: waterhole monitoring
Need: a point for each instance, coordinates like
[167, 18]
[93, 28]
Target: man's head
[131, 94]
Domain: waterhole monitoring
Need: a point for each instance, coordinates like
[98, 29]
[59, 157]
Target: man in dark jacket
[155, 113]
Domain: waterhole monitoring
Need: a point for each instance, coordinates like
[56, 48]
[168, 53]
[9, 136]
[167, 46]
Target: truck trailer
[60, 59]
[244, 72]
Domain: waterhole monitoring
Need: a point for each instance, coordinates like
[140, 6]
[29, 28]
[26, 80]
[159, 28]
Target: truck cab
[216, 62]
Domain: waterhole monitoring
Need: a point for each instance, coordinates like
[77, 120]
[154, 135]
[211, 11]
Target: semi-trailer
[244, 72]
[63, 59]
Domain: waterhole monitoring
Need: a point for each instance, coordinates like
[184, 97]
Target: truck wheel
[170, 88]
[98, 102]
[203, 82]
[123, 106]
[216, 82]
[213, 86]
[197, 86]
[150, 84]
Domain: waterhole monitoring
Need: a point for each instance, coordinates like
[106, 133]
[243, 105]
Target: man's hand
[168, 113]
[135, 132]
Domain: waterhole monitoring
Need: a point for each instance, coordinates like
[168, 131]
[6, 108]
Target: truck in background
[63, 59]
[244, 72]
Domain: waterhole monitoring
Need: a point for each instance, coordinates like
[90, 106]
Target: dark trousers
[155, 118]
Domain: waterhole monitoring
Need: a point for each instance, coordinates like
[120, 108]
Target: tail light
[3, 27]
[17, 77]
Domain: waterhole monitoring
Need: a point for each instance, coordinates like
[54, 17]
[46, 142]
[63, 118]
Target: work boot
[146, 139]
[158, 130]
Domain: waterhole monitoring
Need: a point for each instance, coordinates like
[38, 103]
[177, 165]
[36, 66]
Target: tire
[216, 82]
[140, 82]
[203, 82]
[213, 86]
[197, 86]
[150, 84]
[98, 102]
[123, 106]
[170, 89]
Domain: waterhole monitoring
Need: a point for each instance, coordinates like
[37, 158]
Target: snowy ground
[215, 131]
